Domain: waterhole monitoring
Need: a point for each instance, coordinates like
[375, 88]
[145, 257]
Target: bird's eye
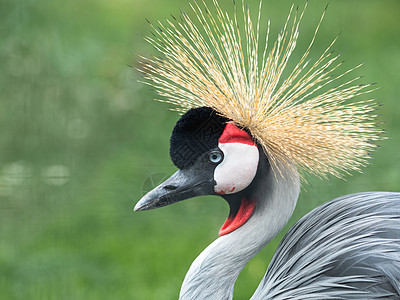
[215, 157]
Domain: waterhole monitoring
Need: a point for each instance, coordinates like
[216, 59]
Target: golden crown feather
[297, 123]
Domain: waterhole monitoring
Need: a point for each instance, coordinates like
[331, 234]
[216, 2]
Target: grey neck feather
[214, 272]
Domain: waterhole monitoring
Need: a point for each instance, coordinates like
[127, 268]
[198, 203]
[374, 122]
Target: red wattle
[232, 223]
[233, 134]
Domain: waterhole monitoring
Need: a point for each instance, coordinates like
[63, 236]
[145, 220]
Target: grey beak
[183, 184]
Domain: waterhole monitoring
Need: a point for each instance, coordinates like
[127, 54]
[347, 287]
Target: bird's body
[245, 135]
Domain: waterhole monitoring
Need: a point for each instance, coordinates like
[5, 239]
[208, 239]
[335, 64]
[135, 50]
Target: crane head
[214, 157]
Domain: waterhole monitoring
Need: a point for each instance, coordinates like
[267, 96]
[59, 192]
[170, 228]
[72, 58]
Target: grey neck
[214, 272]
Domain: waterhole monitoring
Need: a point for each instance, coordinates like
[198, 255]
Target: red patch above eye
[233, 134]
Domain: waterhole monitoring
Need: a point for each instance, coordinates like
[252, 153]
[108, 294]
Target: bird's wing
[348, 248]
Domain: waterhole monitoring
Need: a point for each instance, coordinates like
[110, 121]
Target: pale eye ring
[215, 157]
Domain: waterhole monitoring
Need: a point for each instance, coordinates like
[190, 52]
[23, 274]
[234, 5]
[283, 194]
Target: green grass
[80, 136]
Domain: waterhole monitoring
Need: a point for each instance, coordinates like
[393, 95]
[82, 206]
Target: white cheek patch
[238, 168]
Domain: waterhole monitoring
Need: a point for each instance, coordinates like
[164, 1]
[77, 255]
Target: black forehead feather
[195, 133]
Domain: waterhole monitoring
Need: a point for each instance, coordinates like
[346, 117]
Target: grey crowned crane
[248, 134]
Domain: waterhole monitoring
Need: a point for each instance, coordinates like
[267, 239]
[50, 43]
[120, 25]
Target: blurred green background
[80, 137]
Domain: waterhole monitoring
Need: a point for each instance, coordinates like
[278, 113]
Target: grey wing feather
[348, 248]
